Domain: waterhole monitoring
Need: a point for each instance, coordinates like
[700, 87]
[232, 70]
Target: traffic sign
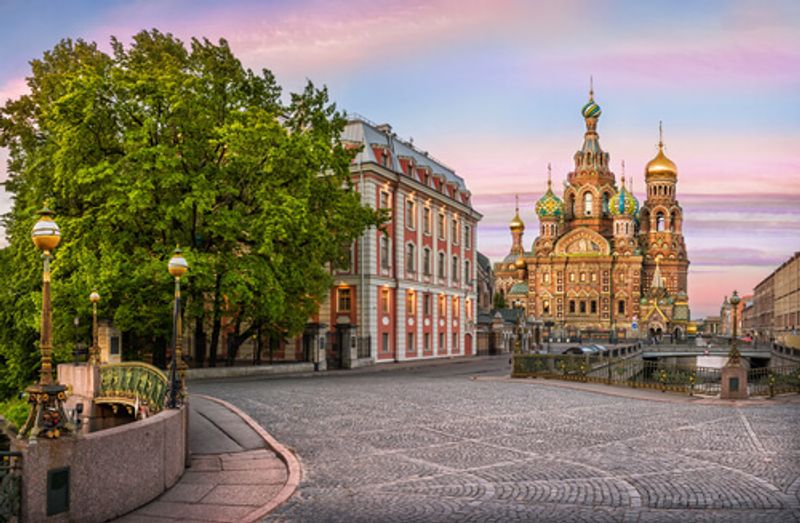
[635, 326]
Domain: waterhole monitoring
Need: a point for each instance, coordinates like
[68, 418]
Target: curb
[289, 459]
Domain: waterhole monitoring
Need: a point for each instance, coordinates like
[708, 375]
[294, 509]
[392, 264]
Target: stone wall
[111, 472]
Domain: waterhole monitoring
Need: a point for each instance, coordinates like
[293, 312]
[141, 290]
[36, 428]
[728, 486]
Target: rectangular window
[343, 302]
[621, 306]
[594, 307]
[426, 261]
[572, 306]
[455, 268]
[467, 272]
[411, 258]
[411, 214]
[426, 304]
[442, 225]
[385, 343]
[546, 307]
[594, 276]
[583, 307]
[455, 229]
[455, 307]
[583, 276]
[411, 308]
[572, 277]
[441, 265]
[468, 236]
[455, 342]
[441, 341]
[385, 253]
[442, 305]
[427, 342]
[386, 299]
[546, 277]
[426, 213]
[410, 347]
[384, 200]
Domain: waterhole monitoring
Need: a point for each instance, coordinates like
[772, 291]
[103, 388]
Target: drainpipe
[361, 255]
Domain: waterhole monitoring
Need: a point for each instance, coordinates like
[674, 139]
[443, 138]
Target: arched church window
[587, 203]
[672, 219]
[660, 221]
[606, 198]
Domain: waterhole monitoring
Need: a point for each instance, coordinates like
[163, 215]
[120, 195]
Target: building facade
[410, 291]
[602, 265]
[776, 300]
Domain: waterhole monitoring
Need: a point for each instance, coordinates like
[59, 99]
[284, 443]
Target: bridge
[663, 351]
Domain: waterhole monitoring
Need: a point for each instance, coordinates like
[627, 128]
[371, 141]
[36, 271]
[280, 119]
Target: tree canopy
[159, 144]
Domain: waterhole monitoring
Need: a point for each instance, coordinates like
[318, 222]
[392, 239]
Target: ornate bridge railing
[136, 385]
[10, 485]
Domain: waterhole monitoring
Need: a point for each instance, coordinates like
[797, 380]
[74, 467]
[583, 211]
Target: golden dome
[520, 263]
[517, 223]
[661, 165]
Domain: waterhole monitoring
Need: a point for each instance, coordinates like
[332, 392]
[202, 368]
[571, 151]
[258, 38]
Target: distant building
[485, 283]
[602, 266]
[776, 302]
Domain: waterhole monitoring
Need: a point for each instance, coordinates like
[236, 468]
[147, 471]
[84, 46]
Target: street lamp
[94, 352]
[177, 267]
[47, 417]
[734, 354]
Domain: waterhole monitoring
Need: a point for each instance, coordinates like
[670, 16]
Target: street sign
[635, 326]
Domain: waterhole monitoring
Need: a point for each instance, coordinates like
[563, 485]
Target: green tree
[160, 144]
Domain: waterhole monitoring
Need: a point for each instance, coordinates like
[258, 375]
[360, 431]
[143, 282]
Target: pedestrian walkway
[238, 472]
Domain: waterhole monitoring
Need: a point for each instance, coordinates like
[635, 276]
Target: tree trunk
[199, 341]
[212, 360]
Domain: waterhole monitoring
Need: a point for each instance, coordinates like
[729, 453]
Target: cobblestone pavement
[431, 444]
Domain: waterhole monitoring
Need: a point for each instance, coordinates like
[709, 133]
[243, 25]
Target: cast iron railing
[138, 386]
[635, 372]
[10, 483]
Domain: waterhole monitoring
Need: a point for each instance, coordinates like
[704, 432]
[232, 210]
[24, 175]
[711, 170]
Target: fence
[10, 485]
[638, 373]
[135, 384]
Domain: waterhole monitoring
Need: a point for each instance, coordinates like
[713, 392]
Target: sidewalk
[239, 473]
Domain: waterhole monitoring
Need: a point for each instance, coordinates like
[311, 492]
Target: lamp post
[734, 355]
[47, 417]
[94, 352]
[177, 267]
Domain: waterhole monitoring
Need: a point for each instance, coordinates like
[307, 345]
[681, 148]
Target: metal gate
[334, 348]
[10, 485]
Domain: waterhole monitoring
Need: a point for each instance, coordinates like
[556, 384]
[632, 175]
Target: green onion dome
[549, 205]
[591, 109]
[623, 203]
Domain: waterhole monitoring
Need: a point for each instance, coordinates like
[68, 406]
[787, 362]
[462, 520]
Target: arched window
[673, 217]
[660, 221]
[587, 203]
[441, 268]
[606, 199]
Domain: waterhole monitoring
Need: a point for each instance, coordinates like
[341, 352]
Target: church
[602, 266]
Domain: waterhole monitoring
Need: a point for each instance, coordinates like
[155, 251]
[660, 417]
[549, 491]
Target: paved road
[433, 445]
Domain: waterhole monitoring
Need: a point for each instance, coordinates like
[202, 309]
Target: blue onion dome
[623, 203]
[549, 205]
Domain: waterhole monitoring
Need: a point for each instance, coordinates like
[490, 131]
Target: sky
[494, 90]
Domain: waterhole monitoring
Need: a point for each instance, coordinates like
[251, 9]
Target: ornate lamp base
[47, 417]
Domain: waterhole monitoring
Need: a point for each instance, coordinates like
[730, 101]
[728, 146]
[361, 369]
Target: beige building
[776, 302]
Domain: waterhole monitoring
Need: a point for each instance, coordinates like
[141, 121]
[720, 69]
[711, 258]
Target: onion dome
[520, 263]
[623, 203]
[591, 109]
[661, 166]
[517, 224]
[549, 205]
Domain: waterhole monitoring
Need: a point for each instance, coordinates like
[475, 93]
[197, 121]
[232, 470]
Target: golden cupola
[661, 166]
[516, 225]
